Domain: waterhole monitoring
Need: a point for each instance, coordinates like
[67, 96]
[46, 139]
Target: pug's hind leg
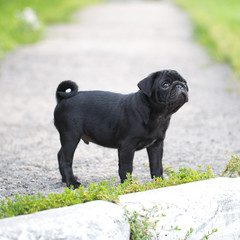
[59, 155]
[65, 157]
[125, 163]
[155, 153]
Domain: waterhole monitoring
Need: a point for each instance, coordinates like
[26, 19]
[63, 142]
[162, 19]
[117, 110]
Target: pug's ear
[146, 84]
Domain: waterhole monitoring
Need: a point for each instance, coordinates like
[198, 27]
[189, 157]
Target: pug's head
[165, 90]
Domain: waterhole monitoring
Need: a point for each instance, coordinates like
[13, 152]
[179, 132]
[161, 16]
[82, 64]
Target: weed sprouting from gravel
[232, 168]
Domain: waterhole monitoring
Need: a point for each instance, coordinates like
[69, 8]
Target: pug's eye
[166, 85]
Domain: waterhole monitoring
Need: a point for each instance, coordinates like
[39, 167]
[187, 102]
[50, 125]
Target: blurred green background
[217, 23]
[23, 21]
[217, 27]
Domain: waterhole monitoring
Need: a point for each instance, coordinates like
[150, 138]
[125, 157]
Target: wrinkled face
[166, 90]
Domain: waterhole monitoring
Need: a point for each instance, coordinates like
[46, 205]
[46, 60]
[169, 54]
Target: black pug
[127, 122]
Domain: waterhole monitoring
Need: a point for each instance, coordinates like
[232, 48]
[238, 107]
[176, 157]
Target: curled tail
[61, 92]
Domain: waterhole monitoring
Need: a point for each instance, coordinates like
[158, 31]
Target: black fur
[126, 122]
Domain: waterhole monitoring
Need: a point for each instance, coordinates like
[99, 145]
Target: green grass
[217, 26]
[141, 225]
[15, 31]
[108, 191]
[104, 190]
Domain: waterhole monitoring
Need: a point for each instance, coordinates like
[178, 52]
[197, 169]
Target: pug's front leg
[125, 157]
[155, 153]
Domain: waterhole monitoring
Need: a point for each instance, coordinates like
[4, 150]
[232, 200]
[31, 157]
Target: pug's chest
[145, 143]
[153, 135]
[150, 139]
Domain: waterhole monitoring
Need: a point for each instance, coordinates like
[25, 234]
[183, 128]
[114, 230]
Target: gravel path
[111, 47]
